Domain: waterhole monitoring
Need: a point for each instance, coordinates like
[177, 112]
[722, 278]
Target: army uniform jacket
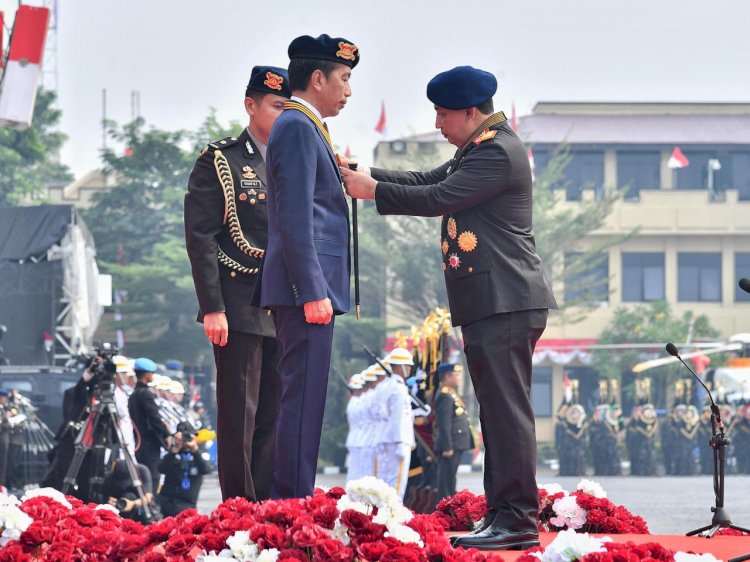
[226, 223]
[487, 240]
[452, 430]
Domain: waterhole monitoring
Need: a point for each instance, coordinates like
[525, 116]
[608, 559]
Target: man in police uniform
[226, 233]
[497, 290]
[305, 278]
[452, 431]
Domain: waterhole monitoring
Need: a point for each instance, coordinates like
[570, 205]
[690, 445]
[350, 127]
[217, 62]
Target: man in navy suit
[305, 279]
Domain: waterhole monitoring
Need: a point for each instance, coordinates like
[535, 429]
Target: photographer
[183, 468]
[121, 493]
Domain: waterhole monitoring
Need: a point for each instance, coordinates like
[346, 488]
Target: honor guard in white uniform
[397, 437]
[374, 375]
[354, 437]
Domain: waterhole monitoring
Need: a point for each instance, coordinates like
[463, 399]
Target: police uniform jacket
[452, 430]
[485, 196]
[226, 222]
[307, 258]
[144, 413]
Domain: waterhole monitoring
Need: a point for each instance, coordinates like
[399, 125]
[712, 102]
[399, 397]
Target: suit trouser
[498, 353]
[304, 362]
[446, 474]
[247, 396]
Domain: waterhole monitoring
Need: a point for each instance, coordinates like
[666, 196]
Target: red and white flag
[678, 159]
[513, 117]
[531, 163]
[380, 127]
[24, 68]
[348, 152]
[2, 28]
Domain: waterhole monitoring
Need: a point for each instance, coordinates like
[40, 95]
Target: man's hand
[358, 185]
[319, 312]
[448, 454]
[216, 327]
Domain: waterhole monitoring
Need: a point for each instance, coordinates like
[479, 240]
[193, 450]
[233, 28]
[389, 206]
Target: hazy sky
[186, 56]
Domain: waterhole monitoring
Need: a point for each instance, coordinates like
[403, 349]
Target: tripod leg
[699, 531]
[736, 528]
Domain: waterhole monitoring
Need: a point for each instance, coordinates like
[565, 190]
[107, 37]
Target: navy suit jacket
[307, 257]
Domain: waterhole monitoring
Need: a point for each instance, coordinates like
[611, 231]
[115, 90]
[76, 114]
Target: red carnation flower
[371, 551]
[268, 536]
[404, 553]
[325, 516]
[306, 535]
[293, 555]
[330, 550]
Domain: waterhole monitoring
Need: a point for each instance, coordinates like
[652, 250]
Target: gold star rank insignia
[467, 241]
[248, 173]
[486, 135]
[444, 247]
[452, 228]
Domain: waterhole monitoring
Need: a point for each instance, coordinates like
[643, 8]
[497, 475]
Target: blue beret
[269, 80]
[449, 368]
[144, 364]
[461, 87]
[323, 47]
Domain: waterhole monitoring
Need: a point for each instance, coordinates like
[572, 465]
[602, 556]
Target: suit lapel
[331, 155]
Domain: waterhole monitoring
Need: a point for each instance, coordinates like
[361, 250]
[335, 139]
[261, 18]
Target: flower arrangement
[586, 510]
[569, 545]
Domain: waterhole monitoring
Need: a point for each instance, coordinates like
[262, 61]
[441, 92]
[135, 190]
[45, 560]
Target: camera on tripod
[101, 364]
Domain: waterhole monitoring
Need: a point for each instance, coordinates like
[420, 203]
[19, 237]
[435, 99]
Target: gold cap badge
[467, 241]
[346, 51]
[273, 81]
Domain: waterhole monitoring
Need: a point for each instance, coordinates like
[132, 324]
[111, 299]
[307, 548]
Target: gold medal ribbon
[314, 118]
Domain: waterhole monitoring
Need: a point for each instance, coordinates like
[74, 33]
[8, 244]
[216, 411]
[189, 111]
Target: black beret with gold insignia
[269, 80]
[461, 87]
[323, 47]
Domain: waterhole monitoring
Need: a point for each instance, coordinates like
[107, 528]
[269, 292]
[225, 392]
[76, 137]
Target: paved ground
[670, 505]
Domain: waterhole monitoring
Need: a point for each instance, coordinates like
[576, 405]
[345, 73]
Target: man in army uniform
[452, 432]
[497, 289]
[226, 234]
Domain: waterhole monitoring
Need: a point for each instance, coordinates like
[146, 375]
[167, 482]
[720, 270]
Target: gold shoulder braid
[230, 213]
[312, 117]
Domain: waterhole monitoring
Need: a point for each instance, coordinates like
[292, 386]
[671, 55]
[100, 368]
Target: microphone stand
[718, 443]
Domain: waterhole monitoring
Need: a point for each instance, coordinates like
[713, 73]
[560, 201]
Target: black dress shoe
[497, 538]
[480, 526]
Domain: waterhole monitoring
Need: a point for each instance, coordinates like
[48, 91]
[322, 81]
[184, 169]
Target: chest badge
[249, 147]
[467, 241]
[242, 197]
[248, 173]
[454, 261]
[444, 247]
[452, 228]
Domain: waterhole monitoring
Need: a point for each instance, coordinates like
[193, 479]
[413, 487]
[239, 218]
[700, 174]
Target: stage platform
[721, 547]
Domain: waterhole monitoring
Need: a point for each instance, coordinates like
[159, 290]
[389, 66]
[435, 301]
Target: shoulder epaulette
[223, 143]
[487, 134]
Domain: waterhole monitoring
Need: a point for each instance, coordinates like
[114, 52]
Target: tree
[652, 323]
[29, 159]
[558, 231]
[139, 233]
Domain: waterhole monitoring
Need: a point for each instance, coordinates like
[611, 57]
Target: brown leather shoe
[497, 538]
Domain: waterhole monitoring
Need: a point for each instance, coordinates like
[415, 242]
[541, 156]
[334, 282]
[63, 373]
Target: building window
[735, 174]
[541, 391]
[642, 276]
[695, 175]
[588, 283]
[398, 147]
[638, 170]
[585, 170]
[698, 277]
[741, 269]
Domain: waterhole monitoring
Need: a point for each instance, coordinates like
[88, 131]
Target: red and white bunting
[678, 159]
[24, 68]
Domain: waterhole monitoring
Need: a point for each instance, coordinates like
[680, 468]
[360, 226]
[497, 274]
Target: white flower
[592, 488]
[687, 557]
[393, 513]
[213, 557]
[268, 555]
[107, 507]
[13, 522]
[340, 532]
[553, 488]
[346, 502]
[49, 493]
[372, 490]
[404, 534]
[568, 513]
[569, 546]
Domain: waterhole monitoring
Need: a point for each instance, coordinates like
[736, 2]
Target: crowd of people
[152, 451]
[674, 444]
